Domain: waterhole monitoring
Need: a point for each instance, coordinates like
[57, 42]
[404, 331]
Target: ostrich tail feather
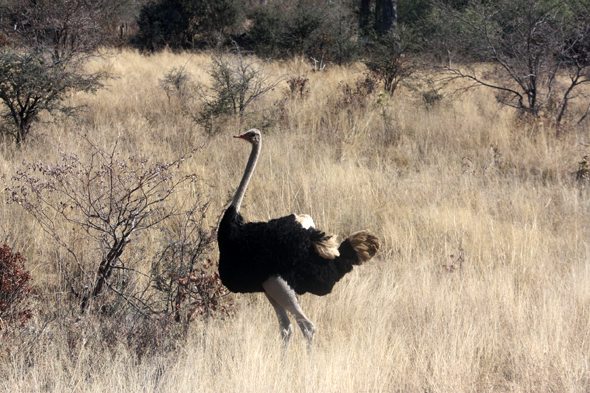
[360, 247]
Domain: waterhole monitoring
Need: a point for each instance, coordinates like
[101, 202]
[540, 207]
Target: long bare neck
[237, 201]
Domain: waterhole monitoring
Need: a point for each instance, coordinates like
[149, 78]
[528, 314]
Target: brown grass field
[482, 282]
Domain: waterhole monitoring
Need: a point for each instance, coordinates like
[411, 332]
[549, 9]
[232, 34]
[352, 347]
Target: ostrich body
[284, 256]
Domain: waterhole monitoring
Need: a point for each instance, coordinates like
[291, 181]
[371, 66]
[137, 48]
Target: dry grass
[481, 284]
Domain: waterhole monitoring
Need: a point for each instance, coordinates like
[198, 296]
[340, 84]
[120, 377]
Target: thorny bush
[188, 286]
[356, 96]
[298, 87]
[105, 212]
[14, 289]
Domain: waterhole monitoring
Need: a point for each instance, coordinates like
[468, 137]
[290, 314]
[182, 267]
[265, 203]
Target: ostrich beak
[242, 136]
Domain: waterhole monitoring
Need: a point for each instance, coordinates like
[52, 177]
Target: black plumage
[251, 252]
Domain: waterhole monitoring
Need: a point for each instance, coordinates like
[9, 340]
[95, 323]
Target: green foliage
[64, 27]
[237, 81]
[413, 12]
[390, 59]
[177, 83]
[31, 83]
[185, 24]
[303, 28]
[266, 32]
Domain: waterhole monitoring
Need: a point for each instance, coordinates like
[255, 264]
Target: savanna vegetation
[470, 165]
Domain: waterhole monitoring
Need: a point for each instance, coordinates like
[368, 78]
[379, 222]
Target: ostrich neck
[237, 201]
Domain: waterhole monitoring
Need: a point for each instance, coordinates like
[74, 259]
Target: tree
[384, 17]
[65, 27]
[530, 45]
[185, 24]
[288, 28]
[310, 29]
[31, 83]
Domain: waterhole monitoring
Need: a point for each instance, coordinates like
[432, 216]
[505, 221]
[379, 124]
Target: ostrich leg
[277, 289]
[284, 324]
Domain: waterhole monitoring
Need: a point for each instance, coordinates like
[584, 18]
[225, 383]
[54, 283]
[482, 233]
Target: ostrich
[284, 256]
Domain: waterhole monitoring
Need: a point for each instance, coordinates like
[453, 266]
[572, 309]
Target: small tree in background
[65, 28]
[177, 83]
[186, 24]
[390, 59]
[237, 81]
[530, 44]
[30, 83]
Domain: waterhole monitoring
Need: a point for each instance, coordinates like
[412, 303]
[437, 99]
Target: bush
[298, 87]
[390, 60]
[110, 200]
[14, 288]
[238, 81]
[303, 28]
[185, 24]
[356, 96]
[177, 83]
[64, 27]
[31, 83]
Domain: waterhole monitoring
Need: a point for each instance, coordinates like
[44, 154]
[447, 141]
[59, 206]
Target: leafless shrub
[318, 65]
[583, 172]
[356, 96]
[187, 284]
[298, 87]
[94, 208]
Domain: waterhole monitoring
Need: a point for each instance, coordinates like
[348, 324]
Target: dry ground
[482, 283]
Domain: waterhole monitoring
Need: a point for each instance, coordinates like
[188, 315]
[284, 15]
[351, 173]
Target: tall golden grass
[482, 283]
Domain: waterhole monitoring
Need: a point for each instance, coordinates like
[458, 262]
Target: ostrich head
[253, 136]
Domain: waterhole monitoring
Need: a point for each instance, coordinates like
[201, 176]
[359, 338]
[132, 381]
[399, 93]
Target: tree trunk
[385, 16]
[364, 15]
[388, 15]
[21, 133]
[104, 272]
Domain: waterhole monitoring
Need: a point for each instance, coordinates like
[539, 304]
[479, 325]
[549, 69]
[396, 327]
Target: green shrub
[185, 24]
[237, 81]
[305, 28]
[31, 83]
